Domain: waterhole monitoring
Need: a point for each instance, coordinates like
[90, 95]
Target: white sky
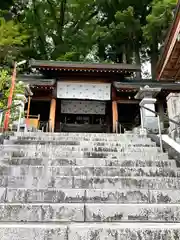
[146, 70]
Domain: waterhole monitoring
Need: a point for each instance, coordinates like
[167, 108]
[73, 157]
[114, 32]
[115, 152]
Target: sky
[146, 70]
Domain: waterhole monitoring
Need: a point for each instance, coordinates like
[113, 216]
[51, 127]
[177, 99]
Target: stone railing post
[147, 96]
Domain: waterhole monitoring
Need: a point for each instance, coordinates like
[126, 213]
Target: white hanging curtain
[83, 107]
[68, 90]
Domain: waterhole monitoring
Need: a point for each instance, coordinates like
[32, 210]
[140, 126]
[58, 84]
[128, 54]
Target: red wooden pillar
[52, 115]
[114, 110]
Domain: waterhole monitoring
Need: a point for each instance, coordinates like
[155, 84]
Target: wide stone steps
[77, 141]
[74, 142]
[79, 136]
[72, 154]
[59, 171]
[87, 186]
[123, 196]
[91, 182]
[93, 162]
[90, 156]
[89, 231]
[87, 148]
[87, 212]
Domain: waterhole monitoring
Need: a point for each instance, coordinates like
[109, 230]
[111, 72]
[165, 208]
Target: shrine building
[79, 97]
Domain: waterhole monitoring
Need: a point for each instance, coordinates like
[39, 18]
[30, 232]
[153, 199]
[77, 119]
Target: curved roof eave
[168, 42]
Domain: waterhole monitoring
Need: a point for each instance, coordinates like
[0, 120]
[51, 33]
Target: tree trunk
[62, 17]
[59, 21]
[40, 29]
[128, 54]
[138, 61]
[119, 57]
[124, 56]
[101, 51]
[154, 59]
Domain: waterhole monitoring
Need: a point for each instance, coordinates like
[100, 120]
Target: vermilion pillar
[114, 115]
[52, 115]
[10, 98]
[28, 111]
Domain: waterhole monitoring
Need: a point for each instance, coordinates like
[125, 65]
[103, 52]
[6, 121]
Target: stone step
[82, 139]
[94, 138]
[33, 232]
[70, 142]
[121, 157]
[87, 148]
[103, 139]
[124, 231]
[73, 154]
[42, 212]
[126, 196]
[87, 212]
[132, 212]
[79, 135]
[76, 141]
[90, 182]
[56, 171]
[89, 162]
[118, 183]
[89, 231]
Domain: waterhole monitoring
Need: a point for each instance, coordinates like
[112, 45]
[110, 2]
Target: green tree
[4, 5]
[4, 88]
[12, 39]
[5, 84]
[154, 32]
[132, 31]
[95, 30]
[65, 28]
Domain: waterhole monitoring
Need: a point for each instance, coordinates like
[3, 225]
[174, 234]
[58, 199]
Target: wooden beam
[177, 66]
[170, 50]
[169, 43]
[177, 74]
[45, 99]
[128, 101]
[92, 81]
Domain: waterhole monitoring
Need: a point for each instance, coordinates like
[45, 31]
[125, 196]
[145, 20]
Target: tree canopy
[12, 40]
[85, 30]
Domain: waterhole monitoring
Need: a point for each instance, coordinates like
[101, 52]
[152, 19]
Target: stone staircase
[87, 187]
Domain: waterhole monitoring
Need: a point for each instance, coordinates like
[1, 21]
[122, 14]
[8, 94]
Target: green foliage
[155, 30]
[4, 88]
[5, 84]
[4, 5]
[12, 39]
[77, 30]
[159, 20]
[70, 56]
